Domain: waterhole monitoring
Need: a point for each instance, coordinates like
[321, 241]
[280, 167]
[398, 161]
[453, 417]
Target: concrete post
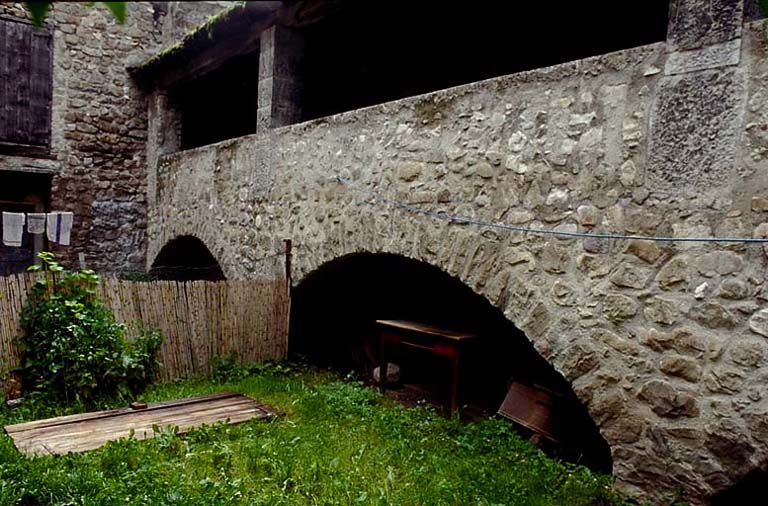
[698, 106]
[163, 137]
[279, 81]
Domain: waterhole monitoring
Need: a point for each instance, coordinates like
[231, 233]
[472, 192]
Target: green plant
[229, 369]
[73, 348]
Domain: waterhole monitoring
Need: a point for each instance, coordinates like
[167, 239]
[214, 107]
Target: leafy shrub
[72, 347]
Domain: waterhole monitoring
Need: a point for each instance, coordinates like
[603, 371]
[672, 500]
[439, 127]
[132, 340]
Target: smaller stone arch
[186, 258]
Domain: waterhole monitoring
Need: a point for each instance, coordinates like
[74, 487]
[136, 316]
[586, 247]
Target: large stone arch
[542, 305]
[354, 289]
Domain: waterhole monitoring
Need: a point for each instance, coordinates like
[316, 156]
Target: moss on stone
[189, 39]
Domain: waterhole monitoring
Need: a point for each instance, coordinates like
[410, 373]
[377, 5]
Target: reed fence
[199, 319]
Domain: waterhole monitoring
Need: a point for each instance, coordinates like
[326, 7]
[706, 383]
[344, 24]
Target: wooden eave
[232, 33]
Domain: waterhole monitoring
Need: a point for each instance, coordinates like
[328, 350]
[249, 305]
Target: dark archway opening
[745, 490]
[333, 314]
[186, 258]
[369, 52]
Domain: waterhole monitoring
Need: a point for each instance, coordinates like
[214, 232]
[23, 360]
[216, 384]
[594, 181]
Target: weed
[72, 347]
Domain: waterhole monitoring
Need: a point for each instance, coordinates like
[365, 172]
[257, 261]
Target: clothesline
[56, 225]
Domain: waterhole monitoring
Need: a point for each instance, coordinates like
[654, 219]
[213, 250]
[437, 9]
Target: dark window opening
[22, 193]
[186, 258]
[25, 88]
[370, 52]
[221, 104]
[332, 324]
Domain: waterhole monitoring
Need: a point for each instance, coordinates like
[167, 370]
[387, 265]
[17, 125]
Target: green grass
[339, 444]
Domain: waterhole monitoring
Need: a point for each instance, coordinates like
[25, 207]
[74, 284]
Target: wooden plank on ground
[87, 431]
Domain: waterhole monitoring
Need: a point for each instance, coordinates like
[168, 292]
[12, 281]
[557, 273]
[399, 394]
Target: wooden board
[87, 431]
[425, 329]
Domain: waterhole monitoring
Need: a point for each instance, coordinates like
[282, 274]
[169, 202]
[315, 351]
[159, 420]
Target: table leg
[454, 384]
[382, 365]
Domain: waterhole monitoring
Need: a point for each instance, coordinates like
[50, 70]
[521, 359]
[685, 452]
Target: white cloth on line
[13, 228]
[59, 227]
[36, 223]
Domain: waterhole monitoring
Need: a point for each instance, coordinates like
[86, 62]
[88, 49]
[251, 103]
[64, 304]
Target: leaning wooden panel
[87, 431]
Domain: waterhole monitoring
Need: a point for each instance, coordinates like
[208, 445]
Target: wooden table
[434, 340]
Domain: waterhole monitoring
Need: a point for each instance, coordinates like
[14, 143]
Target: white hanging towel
[59, 227]
[13, 229]
[36, 223]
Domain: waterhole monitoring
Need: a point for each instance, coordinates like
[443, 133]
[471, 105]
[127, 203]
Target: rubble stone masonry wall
[666, 343]
[99, 126]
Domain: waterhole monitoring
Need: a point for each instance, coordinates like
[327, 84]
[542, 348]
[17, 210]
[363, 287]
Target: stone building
[74, 125]
[308, 119]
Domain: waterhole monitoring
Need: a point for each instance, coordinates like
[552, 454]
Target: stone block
[675, 273]
[710, 57]
[648, 251]
[695, 24]
[747, 353]
[660, 310]
[484, 170]
[555, 259]
[667, 401]
[580, 359]
[682, 340]
[759, 204]
[713, 315]
[618, 307]
[758, 323]
[518, 217]
[761, 232]
[733, 289]
[563, 293]
[719, 263]
[618, 343]
[630, 276]
[724, 380]
[695, 128]
[729, 443]
[681, 367]
[409, 171]
[595, 265]
[588, 215]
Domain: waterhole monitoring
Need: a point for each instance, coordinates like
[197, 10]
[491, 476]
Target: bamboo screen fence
[199, 319]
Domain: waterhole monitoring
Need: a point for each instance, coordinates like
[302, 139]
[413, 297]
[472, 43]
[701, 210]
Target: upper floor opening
[268, 64]
[366, 53]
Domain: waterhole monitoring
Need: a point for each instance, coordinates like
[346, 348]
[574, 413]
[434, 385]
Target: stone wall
[98, 132]
[664, 342]
[181, 18]
[99, 125]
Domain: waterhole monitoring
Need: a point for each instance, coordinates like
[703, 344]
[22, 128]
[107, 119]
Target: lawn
[339, 443]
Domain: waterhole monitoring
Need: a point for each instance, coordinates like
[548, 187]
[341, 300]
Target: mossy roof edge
[203, 37]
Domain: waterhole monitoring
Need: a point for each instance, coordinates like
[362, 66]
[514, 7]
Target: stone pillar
[696, 114]
[163, 137]
[279, 81]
